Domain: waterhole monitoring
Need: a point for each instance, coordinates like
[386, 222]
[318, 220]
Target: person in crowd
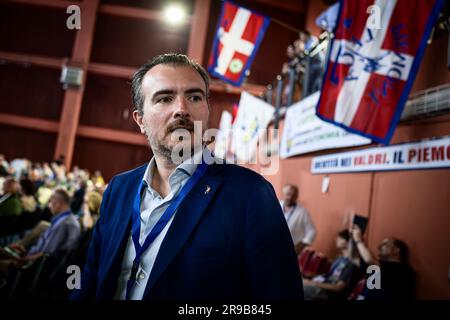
[49, 175]
[44, 193]
[18, 166]
[300, 224]
[312, 63]
[90, 214]
[10, 204]
[397, 275]
[27, 199]
[59, 170]
[78, 197]
[97, 178]
[339, 281]
[37, 176]
[90, 209]
[61, 236]
[220, 232]
[4, 166]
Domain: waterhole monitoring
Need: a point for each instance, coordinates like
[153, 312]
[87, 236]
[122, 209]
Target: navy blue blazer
[231, 243]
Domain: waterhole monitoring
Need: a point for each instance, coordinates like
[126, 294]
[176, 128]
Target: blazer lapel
[186, 218]
[120, 232]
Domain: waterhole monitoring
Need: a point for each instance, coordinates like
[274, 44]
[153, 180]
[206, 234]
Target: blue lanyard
[162, 222]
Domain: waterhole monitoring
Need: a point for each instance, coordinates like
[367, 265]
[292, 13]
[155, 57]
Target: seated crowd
[46, 215]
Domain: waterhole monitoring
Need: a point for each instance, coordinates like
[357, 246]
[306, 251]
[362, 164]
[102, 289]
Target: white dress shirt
[152, 208]
[300, 224]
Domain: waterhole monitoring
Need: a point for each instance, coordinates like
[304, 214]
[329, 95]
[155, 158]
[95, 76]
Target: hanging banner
[305, 132]
[223, 137]
[238, 36]
[429, 154]
[251, 123]
[373, 62]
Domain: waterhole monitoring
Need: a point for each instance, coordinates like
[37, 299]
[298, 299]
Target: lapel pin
[208, 188]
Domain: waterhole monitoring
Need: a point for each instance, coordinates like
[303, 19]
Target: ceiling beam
[73, 97]
[199, 28]
[55, 63]
[82, 131]
[29, 122]
[112, 135]
[111, 70]
[46, 3]
[117, 71]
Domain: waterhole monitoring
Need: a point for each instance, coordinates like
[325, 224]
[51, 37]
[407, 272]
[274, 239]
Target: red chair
[304, 258]
[325, 266]
[357, 290]
[318, 264]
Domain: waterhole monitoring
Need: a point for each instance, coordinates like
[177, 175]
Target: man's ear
[137, 117]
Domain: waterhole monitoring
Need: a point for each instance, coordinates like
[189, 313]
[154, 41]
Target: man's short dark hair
[173, 59]
[402, 249]
[344, 234]
[63, 194]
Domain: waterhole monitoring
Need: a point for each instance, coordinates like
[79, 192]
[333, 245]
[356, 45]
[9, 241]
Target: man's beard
[164, 150]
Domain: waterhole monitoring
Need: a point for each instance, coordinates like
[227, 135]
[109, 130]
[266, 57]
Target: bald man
[301, 226]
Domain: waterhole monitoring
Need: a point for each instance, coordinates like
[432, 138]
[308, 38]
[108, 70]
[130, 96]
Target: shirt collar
[182, 171]
[283, 205]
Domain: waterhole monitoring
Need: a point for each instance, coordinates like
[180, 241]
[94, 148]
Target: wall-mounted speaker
[71, 76]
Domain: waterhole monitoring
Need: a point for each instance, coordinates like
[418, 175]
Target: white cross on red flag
[238, 36]
[371, 68]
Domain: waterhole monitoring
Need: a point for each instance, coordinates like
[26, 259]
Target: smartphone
[361, 222]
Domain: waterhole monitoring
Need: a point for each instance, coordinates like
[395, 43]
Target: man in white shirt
[153, 207]
[301, 226]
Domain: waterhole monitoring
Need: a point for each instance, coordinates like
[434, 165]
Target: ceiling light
[175, 14]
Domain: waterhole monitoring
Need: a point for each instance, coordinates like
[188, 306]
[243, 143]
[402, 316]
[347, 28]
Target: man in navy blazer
[226, 240]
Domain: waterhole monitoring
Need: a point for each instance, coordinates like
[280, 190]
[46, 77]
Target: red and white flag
[238, 36]
[373, 61]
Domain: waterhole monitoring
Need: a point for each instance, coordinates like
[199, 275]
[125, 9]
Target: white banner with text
[304, 132]
[428, 154]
